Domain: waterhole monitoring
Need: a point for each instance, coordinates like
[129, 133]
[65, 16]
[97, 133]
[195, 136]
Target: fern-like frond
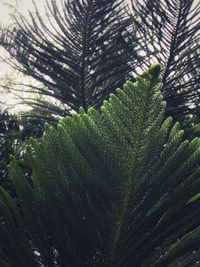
[76, 51]
[172, 28]
[112, 188]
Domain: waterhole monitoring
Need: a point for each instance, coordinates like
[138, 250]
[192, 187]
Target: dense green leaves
[112, 188]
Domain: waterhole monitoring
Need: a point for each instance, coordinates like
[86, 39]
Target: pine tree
[86, 49]
[77, 52]
[172, 28]
[119, 187]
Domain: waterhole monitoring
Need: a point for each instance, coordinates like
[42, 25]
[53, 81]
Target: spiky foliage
[76, 51]
[116, 188]
[172, 27]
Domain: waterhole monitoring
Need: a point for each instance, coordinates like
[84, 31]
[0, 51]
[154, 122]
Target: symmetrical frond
[116, 188]
[76, 50]
[173, 29]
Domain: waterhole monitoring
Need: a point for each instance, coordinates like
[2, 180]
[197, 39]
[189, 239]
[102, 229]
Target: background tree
[173, 29]
[83, 50]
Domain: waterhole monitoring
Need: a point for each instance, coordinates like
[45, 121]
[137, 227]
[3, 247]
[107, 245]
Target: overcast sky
[22, 6]
[8, 6]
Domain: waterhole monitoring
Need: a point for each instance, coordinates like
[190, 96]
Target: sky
[7, 8]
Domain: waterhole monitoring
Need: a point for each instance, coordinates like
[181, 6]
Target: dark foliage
[80, 52]
[172, 27]
[83, 50]
[14, 134]
[9, 128]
